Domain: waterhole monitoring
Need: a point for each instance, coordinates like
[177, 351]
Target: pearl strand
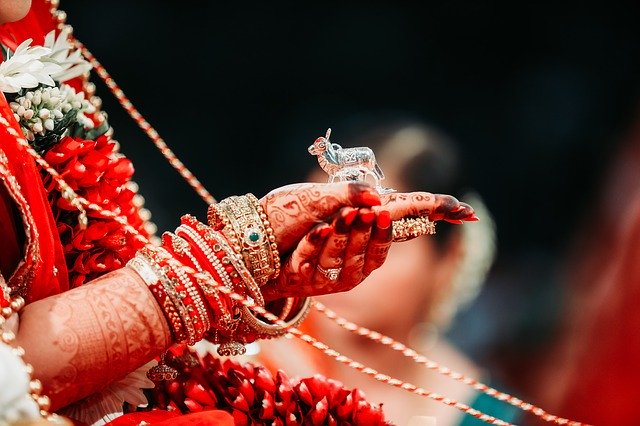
[206, 250]
[195, 296]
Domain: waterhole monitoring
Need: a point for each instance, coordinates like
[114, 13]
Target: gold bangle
[224, 212]
[250, 235]
[267, 330]
[286, 309]
[253, 239]
[173, 302]
[271, 237]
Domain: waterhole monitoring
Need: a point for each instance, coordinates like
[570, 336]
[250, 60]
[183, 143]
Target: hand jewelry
[412, 227]
[331, 273]
[245, 224]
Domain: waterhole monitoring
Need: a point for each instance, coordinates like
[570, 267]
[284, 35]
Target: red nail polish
[342, 224]
[319, 233]
[454, 221]
[370, 198]
[325, 231]
[350, 216]
[458, 209]
[472, 218]
[367, 216]
[384, 219]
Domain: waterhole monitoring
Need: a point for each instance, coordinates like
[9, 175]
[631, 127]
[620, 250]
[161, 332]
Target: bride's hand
[294, 209]
[338, 253]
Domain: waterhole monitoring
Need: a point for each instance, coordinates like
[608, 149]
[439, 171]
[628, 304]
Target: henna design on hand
[295, 276]
[358, 245]
[103, 331]
[435, 206]
[293, 210]
[359, 239]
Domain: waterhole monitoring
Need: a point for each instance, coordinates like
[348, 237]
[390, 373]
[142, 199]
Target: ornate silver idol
[347, 164]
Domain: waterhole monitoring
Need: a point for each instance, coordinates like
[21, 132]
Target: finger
[333, 252]
[435, 206]
[379, 244]
[355, 253]
[464, 213]
[332, 255]
[297, 271]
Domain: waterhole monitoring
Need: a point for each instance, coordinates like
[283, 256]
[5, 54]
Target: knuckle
[334, 252]
[354, 263]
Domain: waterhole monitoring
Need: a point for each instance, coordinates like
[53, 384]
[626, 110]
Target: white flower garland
[39, 110]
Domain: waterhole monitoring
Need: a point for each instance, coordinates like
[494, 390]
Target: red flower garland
[96, 171]
[254, 396]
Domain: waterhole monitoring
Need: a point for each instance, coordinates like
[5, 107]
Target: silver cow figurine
[347, 164]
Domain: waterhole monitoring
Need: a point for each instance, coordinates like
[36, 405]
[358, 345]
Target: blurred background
[538, 96]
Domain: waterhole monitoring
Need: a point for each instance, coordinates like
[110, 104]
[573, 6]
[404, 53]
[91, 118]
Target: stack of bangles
[237, 251]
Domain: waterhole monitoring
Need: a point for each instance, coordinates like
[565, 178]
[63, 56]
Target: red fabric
[43, 281]
[591, 373]
[20, 165]
[606, 333]
[12, 234]
[172, 418]
[35, 25]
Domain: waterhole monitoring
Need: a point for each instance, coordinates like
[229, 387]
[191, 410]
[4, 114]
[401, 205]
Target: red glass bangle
[187, 251]
[232, 263]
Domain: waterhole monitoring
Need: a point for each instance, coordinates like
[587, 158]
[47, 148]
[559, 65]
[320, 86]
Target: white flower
[71, 62]
[26, 69]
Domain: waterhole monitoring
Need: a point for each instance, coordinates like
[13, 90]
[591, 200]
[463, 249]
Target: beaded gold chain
[209, 199]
